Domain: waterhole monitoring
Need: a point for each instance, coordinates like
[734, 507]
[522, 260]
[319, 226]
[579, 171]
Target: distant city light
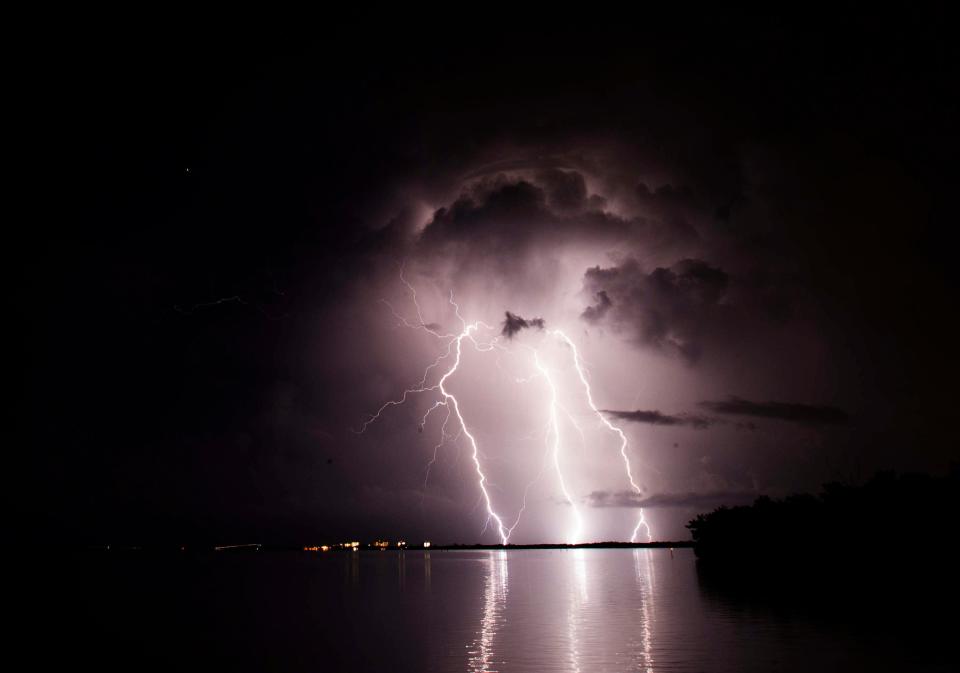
[382, 545]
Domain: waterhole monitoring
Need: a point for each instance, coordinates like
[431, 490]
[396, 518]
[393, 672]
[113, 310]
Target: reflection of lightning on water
[577, 605]
[645, 579]
[494, 600]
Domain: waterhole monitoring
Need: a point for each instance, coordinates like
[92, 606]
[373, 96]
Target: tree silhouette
[892, 524]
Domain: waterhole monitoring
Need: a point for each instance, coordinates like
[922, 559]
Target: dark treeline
[895, 534]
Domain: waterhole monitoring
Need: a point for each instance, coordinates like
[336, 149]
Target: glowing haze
[626, 271]
[453, 352]
[553, 334]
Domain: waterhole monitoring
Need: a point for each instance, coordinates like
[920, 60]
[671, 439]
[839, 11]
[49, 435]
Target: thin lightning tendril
[578, 364]
[453, 351]
[436, 449]
[555, 433]
[455, 406]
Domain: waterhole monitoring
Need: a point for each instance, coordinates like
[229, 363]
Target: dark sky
[744, 223]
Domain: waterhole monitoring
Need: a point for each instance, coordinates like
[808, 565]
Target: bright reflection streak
[577, 603]
[643, 567]
[494, 604]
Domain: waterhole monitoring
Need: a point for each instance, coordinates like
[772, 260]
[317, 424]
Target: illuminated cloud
[699, 500]
[656, 418]
[670, 309]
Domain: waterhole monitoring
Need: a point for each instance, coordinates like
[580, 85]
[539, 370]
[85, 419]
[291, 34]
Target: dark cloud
[677, 206]
[632, 499]
[514, 323]
[566, 190]
[502, 221]
[806, 414]
[596, 312]
[656, 418]
[497, 212]
[667, 308]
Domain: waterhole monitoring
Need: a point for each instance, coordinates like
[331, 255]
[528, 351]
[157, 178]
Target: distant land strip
[243, 548]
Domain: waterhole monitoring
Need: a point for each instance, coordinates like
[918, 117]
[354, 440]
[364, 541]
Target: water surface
[525, 610]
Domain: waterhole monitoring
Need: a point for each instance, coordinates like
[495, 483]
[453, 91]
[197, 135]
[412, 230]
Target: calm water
[552, 610]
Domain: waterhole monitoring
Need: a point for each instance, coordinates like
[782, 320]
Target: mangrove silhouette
[891, 539]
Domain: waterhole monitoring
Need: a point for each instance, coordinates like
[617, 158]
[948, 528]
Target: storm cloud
[805, 414]
[655, 417]
[508, 221]
[667, 308]
[698, 500]
[514, 323]
[756, 216]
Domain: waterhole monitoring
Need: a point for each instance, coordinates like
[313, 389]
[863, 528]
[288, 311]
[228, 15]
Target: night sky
[744, 223]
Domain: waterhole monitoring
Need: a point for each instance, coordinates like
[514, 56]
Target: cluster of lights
[356, 546]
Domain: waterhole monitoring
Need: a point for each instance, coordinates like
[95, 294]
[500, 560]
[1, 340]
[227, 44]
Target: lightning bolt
[443, 440]
[581, 372]
[455, 406]
[554, 432]
[449, 361]
[454, 352]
